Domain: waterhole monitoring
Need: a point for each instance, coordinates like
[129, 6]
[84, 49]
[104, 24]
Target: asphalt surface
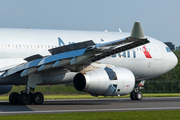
[90, 105]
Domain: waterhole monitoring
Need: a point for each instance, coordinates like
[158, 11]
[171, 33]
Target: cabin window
[134, 54]
[124, 54]
[113, 56]
[128, 54]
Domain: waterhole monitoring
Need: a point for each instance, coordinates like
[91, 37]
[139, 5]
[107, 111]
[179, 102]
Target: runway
[92, 105]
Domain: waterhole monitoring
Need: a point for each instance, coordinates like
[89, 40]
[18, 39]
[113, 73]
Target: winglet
[137, 31]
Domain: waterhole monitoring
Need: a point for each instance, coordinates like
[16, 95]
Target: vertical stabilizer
[137, 31]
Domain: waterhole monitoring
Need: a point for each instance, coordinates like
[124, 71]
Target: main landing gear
[136, 94]
[26, 98]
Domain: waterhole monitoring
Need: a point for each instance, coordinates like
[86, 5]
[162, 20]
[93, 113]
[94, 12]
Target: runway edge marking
[89, 110]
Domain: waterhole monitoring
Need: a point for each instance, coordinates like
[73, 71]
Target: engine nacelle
[5, 88]
[105, 81]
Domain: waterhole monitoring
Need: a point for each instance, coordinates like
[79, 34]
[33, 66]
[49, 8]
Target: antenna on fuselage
[137, 31]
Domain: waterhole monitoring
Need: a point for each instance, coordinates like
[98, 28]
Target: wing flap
[61, 63]
[33, 57]
[71, 47]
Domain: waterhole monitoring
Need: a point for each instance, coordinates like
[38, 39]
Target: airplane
[98, 63]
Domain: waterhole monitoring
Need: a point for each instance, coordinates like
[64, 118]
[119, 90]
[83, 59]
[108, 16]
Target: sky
[160, 19]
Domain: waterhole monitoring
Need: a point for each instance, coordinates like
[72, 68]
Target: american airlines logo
[146, 53]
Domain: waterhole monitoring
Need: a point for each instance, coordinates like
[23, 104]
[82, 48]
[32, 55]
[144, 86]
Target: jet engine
[5, 88]
[115, 81]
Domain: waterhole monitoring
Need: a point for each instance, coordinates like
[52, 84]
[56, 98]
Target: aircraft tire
[132, 96]
[138, 95]
[14, 98]
[24, 99]
[38, 98]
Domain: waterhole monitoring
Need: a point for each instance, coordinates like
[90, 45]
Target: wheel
[138, 95]
[24, 99]
[132, 96]
[38, 98]
[13, 98]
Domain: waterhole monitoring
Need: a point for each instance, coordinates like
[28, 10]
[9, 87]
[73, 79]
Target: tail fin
[137, 31]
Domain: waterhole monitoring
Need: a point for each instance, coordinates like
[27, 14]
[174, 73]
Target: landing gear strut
[26, 97]
[135, 94]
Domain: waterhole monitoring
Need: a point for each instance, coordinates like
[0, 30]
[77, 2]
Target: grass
[91, 97]
[133, 115]
[162, 95]
[6, 97]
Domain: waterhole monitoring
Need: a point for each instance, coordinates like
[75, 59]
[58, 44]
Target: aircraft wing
[76, 54]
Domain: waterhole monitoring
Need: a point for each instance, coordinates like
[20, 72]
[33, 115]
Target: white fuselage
[17, 44]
